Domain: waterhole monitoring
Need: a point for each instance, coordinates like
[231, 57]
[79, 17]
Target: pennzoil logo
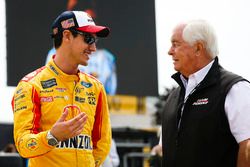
[32, 144]
[86, 84]
[82, 142]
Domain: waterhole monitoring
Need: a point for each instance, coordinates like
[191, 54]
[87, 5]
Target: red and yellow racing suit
[38, 102]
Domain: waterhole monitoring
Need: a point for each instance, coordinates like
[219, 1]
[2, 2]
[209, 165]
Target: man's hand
[157, 150]
[63, 130]
[244, 154]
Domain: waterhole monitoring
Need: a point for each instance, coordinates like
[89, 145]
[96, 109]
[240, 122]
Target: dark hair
[58, 38]
[10, 148]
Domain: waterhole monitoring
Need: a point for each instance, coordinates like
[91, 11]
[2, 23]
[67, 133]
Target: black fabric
[11, 160]
[204, 138]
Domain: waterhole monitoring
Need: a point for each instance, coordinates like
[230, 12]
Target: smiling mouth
[86, 54]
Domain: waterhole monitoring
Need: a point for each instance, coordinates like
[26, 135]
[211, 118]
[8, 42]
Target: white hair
[201, 30]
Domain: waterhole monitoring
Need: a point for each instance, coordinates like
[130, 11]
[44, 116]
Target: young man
[61, 115]
[206, 119]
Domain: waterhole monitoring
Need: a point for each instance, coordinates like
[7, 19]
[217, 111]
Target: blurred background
[139, 42]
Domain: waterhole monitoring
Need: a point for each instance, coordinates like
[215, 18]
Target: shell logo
[73, 111]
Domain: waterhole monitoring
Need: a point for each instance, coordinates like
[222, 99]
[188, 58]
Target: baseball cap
[77, 20]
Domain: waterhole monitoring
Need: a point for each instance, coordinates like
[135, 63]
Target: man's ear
[66, 35]
[199, 48]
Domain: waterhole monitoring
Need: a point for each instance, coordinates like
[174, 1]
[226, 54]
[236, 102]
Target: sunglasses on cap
[88, 38]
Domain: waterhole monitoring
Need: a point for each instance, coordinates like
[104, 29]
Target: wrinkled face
[81, 48]
[183, 55]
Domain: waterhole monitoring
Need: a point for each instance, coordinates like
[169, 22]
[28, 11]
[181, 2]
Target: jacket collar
[59, 73]
[209, 79]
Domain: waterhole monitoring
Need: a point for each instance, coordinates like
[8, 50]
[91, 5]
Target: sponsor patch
[53, 69]
[19, 103]
[79, 99]
[46, 99]
[46, 91]
[86, 84]
[91, 100]
[82, 142]
[19, 97]
[49, 83]
[21, 108]
[201, 102]
[19, 91]
[78, 90]
[61, 89]
[32, 144]
[61, 97]
[90, 94]
[90, 20]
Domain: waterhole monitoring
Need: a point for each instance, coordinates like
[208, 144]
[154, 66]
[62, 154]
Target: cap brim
[100, 31]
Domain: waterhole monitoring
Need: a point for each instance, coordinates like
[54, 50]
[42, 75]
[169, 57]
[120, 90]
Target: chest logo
[201, 102]
[48, 83]
[46, 99]
[73, 111]
[86, 84]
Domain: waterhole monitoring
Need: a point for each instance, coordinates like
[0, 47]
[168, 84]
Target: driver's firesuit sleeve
[101, 134]
[27, 114]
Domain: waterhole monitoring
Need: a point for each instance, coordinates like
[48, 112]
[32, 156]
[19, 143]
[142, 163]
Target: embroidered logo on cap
[68, 23]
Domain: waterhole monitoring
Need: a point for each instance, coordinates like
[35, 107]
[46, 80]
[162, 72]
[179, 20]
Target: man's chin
[84, 64]
[176, 68]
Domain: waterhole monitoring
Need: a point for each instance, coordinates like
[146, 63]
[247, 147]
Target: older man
[206, 121]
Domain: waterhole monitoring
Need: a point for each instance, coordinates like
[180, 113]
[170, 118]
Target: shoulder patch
[31, 75]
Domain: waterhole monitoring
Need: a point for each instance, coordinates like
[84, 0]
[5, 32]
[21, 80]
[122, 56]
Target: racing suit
[38, 102]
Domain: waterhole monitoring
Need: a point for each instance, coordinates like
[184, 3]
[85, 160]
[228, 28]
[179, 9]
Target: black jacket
[204, 138]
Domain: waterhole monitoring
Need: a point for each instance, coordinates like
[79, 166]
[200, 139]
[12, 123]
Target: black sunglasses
[88, 38]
